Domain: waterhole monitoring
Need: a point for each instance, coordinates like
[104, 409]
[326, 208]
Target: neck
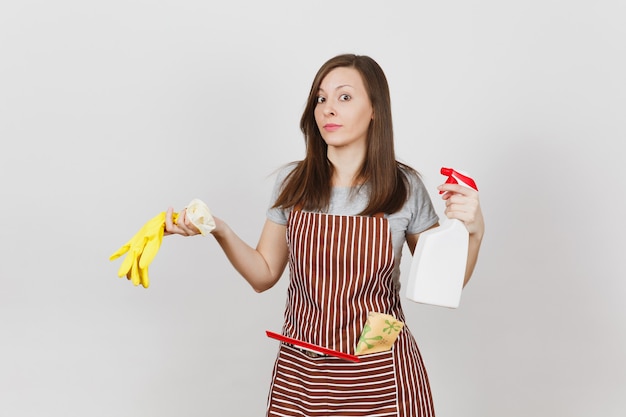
[347, 165]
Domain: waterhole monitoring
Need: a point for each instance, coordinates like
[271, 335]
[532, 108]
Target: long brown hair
[309, 183]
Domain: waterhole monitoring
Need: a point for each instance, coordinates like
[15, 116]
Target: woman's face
[344, 111]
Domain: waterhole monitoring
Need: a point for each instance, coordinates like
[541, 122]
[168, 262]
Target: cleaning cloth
[379, 333]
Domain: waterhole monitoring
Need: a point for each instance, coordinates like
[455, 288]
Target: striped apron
[340, 269]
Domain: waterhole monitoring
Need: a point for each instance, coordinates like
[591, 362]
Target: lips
[331, 127]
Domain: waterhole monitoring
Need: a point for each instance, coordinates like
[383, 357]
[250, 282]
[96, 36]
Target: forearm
[259, 270]
[475, 241]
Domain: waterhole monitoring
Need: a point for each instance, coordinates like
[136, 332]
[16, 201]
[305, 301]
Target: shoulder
[412, 179]
[278, 214]
[284, 171]
[418, 213]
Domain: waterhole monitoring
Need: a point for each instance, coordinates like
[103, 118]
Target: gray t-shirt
[416, 216]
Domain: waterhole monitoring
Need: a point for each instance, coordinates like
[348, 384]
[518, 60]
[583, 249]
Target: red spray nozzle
[455, 177]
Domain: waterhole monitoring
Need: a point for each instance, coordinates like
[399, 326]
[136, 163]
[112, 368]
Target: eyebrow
[338, 87]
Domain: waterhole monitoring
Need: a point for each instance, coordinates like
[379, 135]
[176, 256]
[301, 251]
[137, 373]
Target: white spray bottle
[439, 261]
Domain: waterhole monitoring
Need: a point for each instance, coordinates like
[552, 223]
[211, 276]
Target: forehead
[341, 77]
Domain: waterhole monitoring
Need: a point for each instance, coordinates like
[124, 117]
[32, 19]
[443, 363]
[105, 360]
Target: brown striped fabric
[340, 270]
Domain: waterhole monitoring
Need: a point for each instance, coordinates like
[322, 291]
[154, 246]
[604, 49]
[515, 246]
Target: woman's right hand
[182, 226]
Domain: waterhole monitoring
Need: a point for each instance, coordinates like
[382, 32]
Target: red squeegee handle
[312, 347]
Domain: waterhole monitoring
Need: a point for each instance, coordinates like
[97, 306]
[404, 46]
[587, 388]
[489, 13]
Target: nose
[329, 110]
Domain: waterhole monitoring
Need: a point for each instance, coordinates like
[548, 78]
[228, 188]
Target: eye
[344, 97]
[320, 99]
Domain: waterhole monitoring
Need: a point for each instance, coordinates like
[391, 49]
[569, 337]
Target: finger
[150, 250]
[120, 252]
[191, 228]
[183, 223]
[143, 277]
[172, 225]
[179, 223]
[464, 212]
[169, 221]
[457, 199]
[182, 218]
[134, 272]
[449, 189]
[126, 264]
[136, 239]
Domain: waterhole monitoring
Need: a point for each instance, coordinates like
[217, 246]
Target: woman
[340, 218]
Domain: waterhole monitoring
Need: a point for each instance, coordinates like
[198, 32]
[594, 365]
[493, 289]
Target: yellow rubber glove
[140, 250]
[153, 243]
[143, 247]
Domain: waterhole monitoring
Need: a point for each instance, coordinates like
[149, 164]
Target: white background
[112, 111]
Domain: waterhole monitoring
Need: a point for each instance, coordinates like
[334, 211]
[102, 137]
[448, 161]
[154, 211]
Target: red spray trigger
[455, 177]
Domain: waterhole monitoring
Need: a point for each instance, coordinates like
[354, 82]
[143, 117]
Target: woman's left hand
[462, 203]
